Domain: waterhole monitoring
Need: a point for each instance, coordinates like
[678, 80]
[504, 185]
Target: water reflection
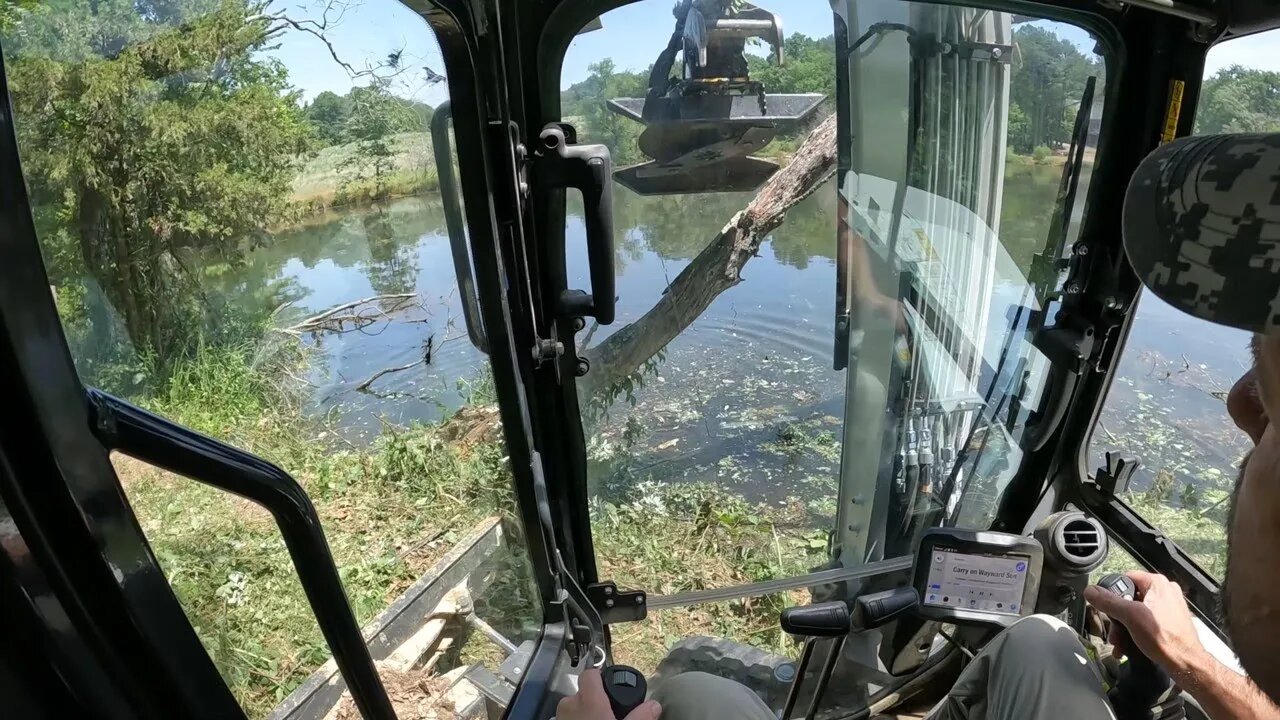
[756, 361]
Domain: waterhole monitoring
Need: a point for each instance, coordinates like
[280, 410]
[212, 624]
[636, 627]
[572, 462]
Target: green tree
[1239, 99]
[808, 67]
[1048, 78]
[328, 115]
[151, 130]
[588, 100]
[376, 116]
[1019, 128]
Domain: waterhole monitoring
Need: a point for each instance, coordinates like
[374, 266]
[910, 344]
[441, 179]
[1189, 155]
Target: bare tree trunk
[717, 268]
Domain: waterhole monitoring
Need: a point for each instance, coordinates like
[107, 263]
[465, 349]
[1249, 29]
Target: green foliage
[381, 507]
[339, 175]
[150, 132]
[1239, 99]
[338, 119]
[671, 538]
[587, 100]
[328, 114]
[376, 117]
[1041, 154]
[1049, 75]
[225, 559]
[1019, 128]
[808, 67]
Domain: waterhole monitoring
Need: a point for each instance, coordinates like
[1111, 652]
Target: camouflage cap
[1202, 228]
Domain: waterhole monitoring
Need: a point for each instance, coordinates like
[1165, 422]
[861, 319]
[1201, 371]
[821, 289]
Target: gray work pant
[1035, 670]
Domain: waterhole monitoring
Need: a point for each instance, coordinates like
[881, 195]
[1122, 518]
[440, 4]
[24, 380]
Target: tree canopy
[1239, 99]
[338, 119]
[149, 128]
[1048, 78]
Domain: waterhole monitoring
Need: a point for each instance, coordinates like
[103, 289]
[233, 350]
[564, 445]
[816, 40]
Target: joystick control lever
[626, 688]
[1141, 684]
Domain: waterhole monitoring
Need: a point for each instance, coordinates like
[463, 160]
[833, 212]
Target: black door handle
[589, 168]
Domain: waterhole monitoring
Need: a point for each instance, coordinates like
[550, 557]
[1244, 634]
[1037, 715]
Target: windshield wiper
[1047, 264]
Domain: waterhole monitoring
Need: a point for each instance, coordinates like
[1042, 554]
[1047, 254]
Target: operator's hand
[1160, 623]
[592, 704]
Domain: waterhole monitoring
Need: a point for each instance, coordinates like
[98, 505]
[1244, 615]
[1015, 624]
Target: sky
[632, 36]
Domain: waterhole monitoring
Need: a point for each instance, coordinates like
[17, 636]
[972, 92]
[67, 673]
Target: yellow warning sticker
[1174, 112]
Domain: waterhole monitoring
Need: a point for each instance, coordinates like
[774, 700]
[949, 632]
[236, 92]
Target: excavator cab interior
[777, 296]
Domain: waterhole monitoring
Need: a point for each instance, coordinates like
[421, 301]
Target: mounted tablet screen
[980, 577]
[985, 583]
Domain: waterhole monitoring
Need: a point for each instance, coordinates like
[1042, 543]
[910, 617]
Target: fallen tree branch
[428, 350]
[717, 268]
[331, 320]
[364, 386]
[586, 339]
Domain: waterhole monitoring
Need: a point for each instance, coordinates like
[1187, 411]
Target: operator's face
[1251, 599]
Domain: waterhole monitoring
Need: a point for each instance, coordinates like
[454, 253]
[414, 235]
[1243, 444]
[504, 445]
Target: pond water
[757, 361]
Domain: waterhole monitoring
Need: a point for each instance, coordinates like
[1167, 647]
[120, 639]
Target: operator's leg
[1035, 670]
[702, 696]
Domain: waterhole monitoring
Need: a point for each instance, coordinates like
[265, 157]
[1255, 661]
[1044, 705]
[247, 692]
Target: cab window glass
[245, 235]
[1167, 403]
[831, 257]
[747, 389]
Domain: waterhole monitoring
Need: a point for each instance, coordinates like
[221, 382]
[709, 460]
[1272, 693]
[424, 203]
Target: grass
[1201, 533]
[676, 538]
[226, 562]
[335, 176]
[224, 556]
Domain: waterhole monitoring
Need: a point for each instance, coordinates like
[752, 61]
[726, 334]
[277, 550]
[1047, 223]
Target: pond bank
[389, 511]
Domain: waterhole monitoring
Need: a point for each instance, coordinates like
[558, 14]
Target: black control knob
[626, 688]
[1141, 684]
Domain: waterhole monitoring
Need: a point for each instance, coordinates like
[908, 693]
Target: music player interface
[980, 583]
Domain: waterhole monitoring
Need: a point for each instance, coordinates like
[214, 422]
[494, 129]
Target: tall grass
[230, 569]
[335, 176]
[391, 510]
[224, 557]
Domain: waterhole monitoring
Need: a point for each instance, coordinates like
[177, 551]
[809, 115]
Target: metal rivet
[583, 368]
[639, 599]
[608, 603]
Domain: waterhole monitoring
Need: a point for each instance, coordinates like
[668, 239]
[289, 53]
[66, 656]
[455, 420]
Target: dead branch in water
[428, 349]
[364, 386]
[353, 315]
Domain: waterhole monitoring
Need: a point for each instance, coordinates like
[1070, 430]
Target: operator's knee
[702, 696]
[1035, 629]
[1040, 642]
[1039, 668]
[1043, 646]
